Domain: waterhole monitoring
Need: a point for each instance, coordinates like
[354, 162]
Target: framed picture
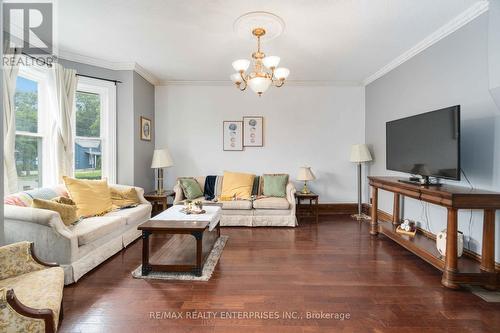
[232, 135]
[146, 129]
[253, 128]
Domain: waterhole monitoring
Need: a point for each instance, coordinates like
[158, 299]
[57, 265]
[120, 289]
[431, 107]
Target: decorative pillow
[124, 198]
[191, 188]
[68, 212]
[275, 185]
[64, 200]
[92, 197]
[237, 185]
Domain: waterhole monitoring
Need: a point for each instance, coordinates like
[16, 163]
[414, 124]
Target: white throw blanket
[174, 213]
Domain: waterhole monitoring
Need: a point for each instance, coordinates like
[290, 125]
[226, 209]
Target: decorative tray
[189, 212]
[404, 232]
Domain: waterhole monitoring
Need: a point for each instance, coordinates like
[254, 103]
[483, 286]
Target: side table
[159, 201]
[311, 210]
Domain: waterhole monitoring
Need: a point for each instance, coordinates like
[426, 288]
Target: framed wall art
[232, 135]
[253, 131]
[146, 129]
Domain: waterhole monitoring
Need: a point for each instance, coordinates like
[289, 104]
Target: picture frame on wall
[253, 131]
[146, 129]
[232, 135]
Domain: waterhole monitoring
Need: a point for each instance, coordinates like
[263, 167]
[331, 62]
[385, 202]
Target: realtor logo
[28, 27]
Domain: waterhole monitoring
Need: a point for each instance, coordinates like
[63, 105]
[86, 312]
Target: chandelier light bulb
[281, 73]
[236, 78]
[271, 62]
[259, 84]
[241, 65]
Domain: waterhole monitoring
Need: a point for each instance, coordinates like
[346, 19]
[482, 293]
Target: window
[95, 112]
[29, 128]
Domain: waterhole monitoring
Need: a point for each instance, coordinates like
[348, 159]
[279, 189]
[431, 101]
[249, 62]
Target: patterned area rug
[208, 269]
[487, 295]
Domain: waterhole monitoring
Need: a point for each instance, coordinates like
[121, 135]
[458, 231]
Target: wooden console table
[455, 270]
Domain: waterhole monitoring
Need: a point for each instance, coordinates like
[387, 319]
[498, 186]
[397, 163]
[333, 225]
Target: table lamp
[161, 159]
[359, 155]
[305, 175]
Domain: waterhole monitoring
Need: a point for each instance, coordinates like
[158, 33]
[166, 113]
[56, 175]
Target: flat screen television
[427, 144]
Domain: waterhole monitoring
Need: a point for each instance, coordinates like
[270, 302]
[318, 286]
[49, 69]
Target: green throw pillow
[191, 188]
[275, 185]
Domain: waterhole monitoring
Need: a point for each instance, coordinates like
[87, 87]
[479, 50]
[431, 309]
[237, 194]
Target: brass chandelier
[265, 70]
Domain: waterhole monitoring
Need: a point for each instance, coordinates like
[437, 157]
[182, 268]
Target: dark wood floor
[333, 266]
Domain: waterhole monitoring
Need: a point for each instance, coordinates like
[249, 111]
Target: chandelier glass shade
[265, 71]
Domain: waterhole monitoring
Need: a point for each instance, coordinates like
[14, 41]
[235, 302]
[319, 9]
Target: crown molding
[305, 83]
[115, 66]
[456, 23]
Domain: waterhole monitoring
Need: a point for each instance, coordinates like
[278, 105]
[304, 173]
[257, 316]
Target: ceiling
[191, 40]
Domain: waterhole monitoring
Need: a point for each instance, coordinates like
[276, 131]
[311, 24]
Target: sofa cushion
[92, 228]
[41, 289]
[191, 188]
[236, 204]
[133, 215]
[275, 185]
[271, 203]
[126, 197]
[68, 212]
[92, 197]
[238, 185]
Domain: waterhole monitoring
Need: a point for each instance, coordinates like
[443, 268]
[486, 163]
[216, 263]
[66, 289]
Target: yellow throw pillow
[124, 198]
[92, 197]
[67, 212]
[237, 185]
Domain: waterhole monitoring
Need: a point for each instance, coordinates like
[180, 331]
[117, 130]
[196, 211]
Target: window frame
[39, 76]
[107, 93]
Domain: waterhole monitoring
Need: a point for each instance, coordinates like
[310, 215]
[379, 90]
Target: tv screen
[427, 144]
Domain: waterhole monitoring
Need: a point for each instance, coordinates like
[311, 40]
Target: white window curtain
[62, 85]
[9, 125]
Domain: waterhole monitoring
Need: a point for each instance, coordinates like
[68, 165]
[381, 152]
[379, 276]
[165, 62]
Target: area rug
[208, 269]
[487, 295]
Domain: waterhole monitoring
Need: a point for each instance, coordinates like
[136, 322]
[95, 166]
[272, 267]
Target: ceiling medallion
[265, 71]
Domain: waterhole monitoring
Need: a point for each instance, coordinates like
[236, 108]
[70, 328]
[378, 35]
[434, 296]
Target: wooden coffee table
[187, 250]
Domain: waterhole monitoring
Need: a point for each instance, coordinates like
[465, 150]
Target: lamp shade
[161, 159]
[241, 65]
[360, 153]
[305, 174]
[259, 84]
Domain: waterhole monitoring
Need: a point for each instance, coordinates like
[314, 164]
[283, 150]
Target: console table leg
[395, 209]
[374, 220]
[488, 250]
[451, 250]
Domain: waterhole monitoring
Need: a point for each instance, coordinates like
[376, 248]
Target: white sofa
[80, 247]
[262, 212]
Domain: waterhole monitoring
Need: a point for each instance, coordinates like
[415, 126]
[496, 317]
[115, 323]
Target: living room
[233, 166]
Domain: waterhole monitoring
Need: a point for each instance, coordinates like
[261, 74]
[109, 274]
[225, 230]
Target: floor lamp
[360, 154]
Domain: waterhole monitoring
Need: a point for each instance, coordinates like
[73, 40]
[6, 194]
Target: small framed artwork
[253, 131]
[145, 129]
[232, 135]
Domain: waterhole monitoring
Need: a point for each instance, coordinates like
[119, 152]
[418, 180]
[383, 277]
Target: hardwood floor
[334, 267]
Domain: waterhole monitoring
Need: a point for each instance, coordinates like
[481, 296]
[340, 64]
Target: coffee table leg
[146, 268]
[199, 250]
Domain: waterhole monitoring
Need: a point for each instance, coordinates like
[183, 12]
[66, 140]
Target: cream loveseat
[261, 212]
[80, 247]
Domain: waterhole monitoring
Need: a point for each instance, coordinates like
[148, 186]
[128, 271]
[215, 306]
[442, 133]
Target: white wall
[453, 71]
[304, 125]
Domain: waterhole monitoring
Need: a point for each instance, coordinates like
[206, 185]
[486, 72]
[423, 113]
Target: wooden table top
[162, 225]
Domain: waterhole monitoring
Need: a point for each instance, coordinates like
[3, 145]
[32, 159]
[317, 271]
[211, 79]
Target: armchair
[30, 291]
